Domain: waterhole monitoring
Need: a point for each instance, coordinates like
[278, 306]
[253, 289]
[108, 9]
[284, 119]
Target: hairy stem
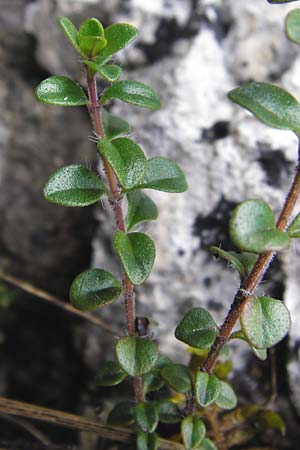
[259, 270]
[95, 111]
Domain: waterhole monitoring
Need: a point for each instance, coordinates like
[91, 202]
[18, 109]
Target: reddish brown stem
[247, 288]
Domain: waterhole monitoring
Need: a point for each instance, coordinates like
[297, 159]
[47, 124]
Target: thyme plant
[200, 398]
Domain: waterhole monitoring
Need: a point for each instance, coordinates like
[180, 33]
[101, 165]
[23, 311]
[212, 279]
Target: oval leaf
[227, 398]
[276, 2]
[178, 377]
[137, 253]
[152, 382]
[168, 412]
[110, 374]
[94, 288]
[70, 32]
[294, 228]
[146, 441]
[260, 353]
[113, 125]
[270, 104]
[243, 262]
[141, 208]
[136, 355]
[121, 415]
[163, 174]
[146, 415]
[126, 158]
[132, 92]
[110, 72]
[252, 228]
[61, 91]
[207, 388]
[207, 444]
[197, 328]
[118, 36]
[265, 321]
[74, 186]
[192, 432]
[292, 26]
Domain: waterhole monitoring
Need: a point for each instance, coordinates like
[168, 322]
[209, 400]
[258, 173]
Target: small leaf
[70, 31]
[118, 36]
[132, 92]
[136, 355]
[113, 125]
[91, 37]
[265, 321]
[192, 432]
[243, 262]
[122, 415]
[226, 398]
[178, 377]
[110, 72]
[207, 444]
[110, 374]
[94, 288]
[252, 228]
[60, 91]
[260, 353]
[294, 228]
[168, 412]
[269, 103]
[141, 208]
[270, 419]
[146, 415]
[146, 441]
[126, 158]
[163, 174]
[197, 328]
[137, 253]
[74, 186]
[276, 2]
[152, 382]
[207, 388]
[292, 26]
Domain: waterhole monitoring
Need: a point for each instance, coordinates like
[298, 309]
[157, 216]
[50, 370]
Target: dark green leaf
[122, 415]
[168, 412]
[94, 288]
[265, 321]
[280, 1]
[243, 262]
[226, 398]
[132, 92]
[146, 415]
[136, 355]
[269, 103]
[118, 36]
[137, 253]
[146, 441]
[126, 158]
[207, 444]
[113, 125]
[253, 228]
[110, 72]
[294, 228]
[178, 377]
[110, 374]
[207, 388]
[163, 174]
[192, 432]
[74, 186]
[140, 209]
[260, 353]
[70, 31]
[197, 328]
[60, 91]
[152, 382]
[292, 26]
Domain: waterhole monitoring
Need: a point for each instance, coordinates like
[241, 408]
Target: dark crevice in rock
[275, 165]
[219, 130]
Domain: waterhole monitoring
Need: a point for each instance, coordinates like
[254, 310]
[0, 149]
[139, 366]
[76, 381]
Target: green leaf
[270, 419]
[110, 72]
[252, 228]
[118, 36]
[276, 2]
[110, 374]
[260, 353]
[207, 444]
[197, 328]
[146, 441]
[152, 382]
[132, 92]
[91, 38]
[292, 26]
[192, 432]
[178, 377]
[146, 415]
[113, 125]
[126, 158]
[207, 388]
[294, 228]
[136, 355]
[163, 174]
[140, 209]
[94, 288]
[168, 412]
[226, 398]
[74, 186]
[70, 32]
[136, 252]
[270, 104]
[60, 91]
[122, 415]
[265, 321]
[243, 262]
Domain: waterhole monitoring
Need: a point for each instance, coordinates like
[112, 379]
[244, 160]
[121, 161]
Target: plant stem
[95, 111]
[259, 270]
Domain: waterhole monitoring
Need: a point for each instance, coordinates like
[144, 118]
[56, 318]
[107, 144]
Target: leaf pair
[209, 389]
